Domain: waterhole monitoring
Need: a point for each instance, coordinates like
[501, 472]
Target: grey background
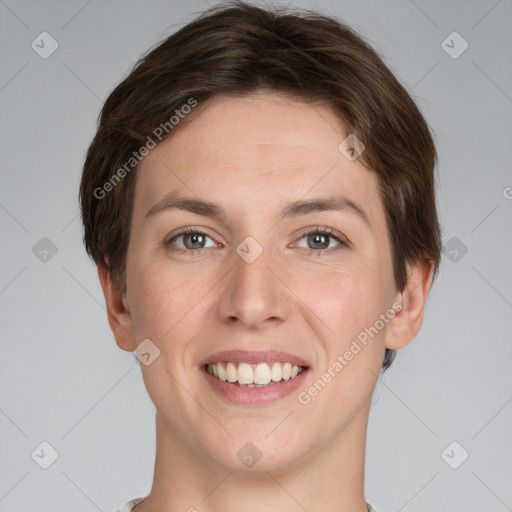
[64, 381]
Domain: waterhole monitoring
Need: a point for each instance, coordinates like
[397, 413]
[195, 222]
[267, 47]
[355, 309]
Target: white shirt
[127, 507]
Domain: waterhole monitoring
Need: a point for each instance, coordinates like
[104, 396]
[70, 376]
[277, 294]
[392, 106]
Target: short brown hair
[239, 49]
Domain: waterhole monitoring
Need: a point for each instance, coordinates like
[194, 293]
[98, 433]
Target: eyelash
[324, 231]
[312, 252]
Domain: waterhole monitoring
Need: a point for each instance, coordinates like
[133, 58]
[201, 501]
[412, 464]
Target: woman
[259, 200]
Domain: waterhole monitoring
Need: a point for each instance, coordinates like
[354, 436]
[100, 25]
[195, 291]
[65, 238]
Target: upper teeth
[260, 373]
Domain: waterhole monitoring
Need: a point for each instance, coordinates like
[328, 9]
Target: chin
[259, 450]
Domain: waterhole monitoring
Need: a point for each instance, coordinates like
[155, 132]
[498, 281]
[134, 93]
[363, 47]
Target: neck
[331, 479]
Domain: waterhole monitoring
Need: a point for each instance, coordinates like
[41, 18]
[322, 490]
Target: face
[261, 280]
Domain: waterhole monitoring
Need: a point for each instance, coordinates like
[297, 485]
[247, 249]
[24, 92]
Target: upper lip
[254, 357]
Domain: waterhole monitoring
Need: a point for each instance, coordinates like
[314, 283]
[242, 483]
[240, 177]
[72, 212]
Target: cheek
[165, 299]
[349, 304]
[346, 306]
[346, 298]
[152, 295]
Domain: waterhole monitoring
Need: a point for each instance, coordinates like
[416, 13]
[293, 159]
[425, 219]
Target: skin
[252, 155]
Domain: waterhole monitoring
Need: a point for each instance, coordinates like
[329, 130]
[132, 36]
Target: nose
[253, 294]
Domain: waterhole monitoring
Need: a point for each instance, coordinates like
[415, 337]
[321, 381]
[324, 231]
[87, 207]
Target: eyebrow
[292, 209]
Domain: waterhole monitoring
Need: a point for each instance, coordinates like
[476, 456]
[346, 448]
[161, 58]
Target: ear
[406, 323]
[118, 312]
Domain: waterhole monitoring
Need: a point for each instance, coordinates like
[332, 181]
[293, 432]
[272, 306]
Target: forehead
[260, 150]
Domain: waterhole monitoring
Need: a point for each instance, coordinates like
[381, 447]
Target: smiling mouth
[254, 375]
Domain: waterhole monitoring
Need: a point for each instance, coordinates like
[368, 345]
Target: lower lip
[254, 396]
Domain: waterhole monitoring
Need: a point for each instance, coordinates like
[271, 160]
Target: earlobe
[405, 325]
[118, 312]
